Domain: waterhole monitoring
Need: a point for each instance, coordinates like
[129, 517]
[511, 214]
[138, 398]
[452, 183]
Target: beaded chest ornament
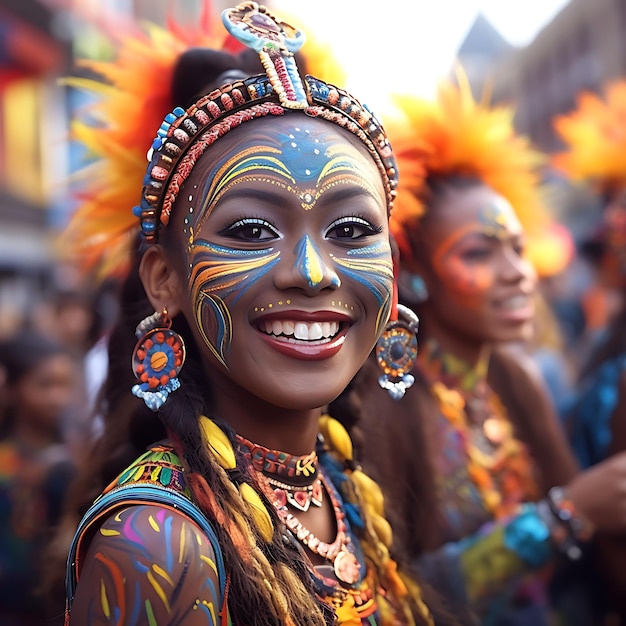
[295, 480]
[305, 487]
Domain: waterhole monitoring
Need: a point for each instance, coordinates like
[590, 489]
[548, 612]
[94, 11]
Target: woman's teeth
[515, 303]
[304, 331]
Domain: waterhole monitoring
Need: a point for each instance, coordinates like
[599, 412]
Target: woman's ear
[161, 280]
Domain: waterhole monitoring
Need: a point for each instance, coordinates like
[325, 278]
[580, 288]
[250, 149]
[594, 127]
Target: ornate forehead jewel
[185, 135]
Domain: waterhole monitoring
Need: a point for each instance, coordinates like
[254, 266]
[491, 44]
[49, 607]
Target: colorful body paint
[130, 542]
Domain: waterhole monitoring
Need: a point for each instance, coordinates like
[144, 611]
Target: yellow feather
[337, 437]
[131, 101]
[218, 443]
[259, 511]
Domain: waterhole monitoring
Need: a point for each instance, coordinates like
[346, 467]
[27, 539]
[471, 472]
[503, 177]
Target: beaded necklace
[299, 486]
[340, 553]
[498, 464]
[271, 463]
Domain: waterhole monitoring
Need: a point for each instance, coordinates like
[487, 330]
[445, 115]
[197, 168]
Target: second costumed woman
[483, 490]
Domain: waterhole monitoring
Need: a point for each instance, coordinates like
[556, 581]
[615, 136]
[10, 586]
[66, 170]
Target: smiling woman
[471, 459]
[265, 256]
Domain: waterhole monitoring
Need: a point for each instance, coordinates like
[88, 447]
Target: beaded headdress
[595, 137]
[102, 228]
[456, 135]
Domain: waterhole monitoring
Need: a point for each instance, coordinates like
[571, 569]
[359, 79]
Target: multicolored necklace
[297, 470]
[345, 565]
[306, 486]
[300, 498]
[300, 486]
[497, 463]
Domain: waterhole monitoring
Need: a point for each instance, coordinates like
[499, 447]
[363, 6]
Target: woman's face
[614, 259]
[480, 286]
[287, 258]
[43, 394]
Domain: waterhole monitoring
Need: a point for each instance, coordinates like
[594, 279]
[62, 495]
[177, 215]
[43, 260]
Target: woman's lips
[520, 307]
[304, 335]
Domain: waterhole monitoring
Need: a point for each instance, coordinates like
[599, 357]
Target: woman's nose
[306, 269]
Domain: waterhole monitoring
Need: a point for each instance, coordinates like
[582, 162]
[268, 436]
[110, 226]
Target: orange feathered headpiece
[456, 135]
[136, 95]
[132, 101]
[595, 135]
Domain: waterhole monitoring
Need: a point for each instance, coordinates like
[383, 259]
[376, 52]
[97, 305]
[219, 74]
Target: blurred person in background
[595, 138]
[483, 491]
[35, 467]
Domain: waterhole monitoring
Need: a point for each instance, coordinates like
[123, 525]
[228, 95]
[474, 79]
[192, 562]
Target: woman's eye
[351, 228]
[476, 254]
[250, 229]
[519, 248]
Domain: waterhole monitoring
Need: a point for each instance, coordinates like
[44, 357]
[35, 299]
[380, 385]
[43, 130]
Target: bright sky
[408, 45]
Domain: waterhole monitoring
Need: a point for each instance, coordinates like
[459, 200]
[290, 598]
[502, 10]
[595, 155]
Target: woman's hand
[599, 494]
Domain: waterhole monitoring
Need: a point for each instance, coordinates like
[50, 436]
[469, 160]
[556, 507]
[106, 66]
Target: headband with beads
[185, 135]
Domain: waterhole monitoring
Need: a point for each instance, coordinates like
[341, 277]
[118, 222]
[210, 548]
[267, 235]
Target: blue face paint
[219, 272]
[372, 267]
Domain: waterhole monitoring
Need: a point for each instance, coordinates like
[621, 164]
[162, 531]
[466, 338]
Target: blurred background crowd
[54, 320]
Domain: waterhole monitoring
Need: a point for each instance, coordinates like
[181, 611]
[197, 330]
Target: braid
[268, 577]
[403, 599]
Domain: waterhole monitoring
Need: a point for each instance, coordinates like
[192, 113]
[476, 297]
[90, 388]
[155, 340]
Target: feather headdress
[595, 136]
[134, 94]
[457, 135]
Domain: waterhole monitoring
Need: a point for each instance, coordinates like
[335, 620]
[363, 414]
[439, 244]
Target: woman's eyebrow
[347, 192]
[267, 196]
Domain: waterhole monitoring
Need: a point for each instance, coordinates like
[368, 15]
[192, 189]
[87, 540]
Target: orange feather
[595, 136]
[456, 135]
[132, 100]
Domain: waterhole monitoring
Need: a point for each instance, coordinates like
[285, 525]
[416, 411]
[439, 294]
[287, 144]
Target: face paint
[371, 266]
[479, 283]
[310, 263]
[217, 273]
[304, 163]
[453, 258]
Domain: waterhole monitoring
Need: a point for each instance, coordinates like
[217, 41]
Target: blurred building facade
[582, 48]
[33, 53]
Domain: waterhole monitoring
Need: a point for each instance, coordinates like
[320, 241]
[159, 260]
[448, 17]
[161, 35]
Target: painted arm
[147, 566]
[479, 568]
